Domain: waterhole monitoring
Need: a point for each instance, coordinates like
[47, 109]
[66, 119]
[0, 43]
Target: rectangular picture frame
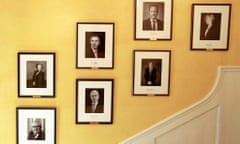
[153, 19]
[94, 101]
[95, 45]
[36, 125]
[210, 26]
[36, 74]
[151, 72]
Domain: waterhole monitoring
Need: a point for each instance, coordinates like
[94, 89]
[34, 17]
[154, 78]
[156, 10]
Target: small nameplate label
[94, 68]
[209, 49]
[150, 94]
[94, 123]
[153, 39]
[36, 96]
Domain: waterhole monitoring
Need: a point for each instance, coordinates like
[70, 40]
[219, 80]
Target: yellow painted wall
[49, 25]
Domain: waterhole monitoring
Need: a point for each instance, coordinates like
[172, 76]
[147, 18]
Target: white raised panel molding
[213, 120]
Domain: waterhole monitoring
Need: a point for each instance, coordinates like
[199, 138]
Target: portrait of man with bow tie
[36, 129]
[153, 16]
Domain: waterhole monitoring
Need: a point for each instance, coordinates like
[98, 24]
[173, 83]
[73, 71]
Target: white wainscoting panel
[213, 120]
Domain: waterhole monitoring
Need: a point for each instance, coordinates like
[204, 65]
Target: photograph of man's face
[153, 16]
[95, 45]
[36, 129]
[36, 74]
[151, 74]
[94, 100]
[210, 26]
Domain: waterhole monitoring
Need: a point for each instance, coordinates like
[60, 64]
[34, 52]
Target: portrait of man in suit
[95, 45]
[36, 75]
[94, 100]
[36, 130]
[151, 72]
[153, 16]
[210, 26]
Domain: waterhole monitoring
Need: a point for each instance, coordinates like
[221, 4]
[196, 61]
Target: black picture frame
[210, 28]
[95, 45]
[151, 72]
[35, 125]
[89, 91]
[36, 74]
[148, 12]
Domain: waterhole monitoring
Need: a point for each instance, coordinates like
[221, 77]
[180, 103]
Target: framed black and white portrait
[36, 125]
[36, 74]
[153, 19]
[95, 45]
[151, 74]
[210, 26]
[94, 101]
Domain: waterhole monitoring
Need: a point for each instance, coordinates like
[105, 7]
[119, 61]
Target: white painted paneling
[200, 130]
[230, 109]
[213, 120]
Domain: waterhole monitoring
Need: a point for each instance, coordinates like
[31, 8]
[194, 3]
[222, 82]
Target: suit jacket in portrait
[90, 54]
[150, 76]
[212, 34]
[31, 136]
[148, 26]
[99, 109]
[38, 78]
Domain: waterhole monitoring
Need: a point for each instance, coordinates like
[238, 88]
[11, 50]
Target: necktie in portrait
[154, 25]
[93, 107]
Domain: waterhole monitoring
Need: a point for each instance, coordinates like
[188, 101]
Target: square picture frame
[153, 19]
[36, 74]
[94, 101]
[210, 26]
[151, 72]
[36, 125]
[95, 45]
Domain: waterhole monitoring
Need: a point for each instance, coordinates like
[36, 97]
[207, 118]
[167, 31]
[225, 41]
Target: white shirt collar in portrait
[95, 52]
